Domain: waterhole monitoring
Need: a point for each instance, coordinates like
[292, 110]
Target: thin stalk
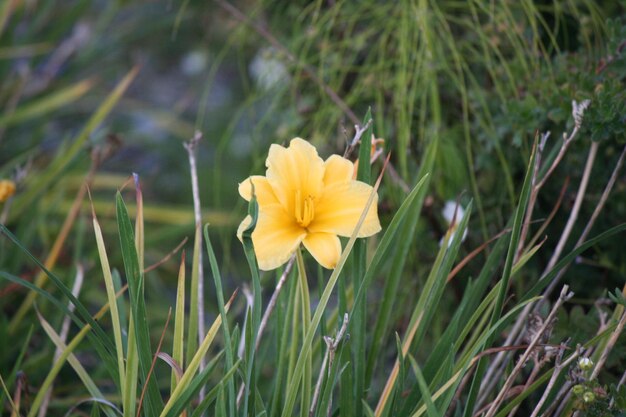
[306, 322]
[272, 303]
[332, 345]
[558, 368]
[593, 150]
[192, 147]
[565, 295]
[609, 346]
[594, 216]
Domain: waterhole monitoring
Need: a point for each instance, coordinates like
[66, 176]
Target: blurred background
[136, 79]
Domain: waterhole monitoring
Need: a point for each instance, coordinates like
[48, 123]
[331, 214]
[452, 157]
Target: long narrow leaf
[76, 365]
[217, 278]
[134, 275]
[110, 289]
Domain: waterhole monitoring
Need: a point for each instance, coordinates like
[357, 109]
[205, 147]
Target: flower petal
[338, 169]
[292, 169]
[340, 208]
[275, 237]
[243, 226]
[262, 189]
[325, 248]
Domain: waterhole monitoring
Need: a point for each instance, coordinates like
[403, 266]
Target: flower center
[305, 209]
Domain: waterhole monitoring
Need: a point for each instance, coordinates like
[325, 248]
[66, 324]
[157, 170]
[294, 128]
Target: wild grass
[106, 311]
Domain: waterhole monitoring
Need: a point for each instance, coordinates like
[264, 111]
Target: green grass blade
[132, 372]
[423, 386]
[195, 385]
[187, 378]
[38, 184]
[46, 104]
[395, 243]
[56, 368]
[103, 345]
[248, 406]
[426, 305]
[76, 365]
[110, 289]
[17, 365]
[192, 330]
[212, 394]
[179, 323]
[307, 376]
[452, 384]
[387, 242]
[217, 278]
[357, 270]
[134, 275]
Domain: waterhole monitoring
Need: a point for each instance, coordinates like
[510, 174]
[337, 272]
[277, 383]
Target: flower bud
[589, 397]
[578, 389]
[7, 189]
[585, 364]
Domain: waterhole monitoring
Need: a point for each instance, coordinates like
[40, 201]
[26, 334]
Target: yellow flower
[304, 199]
[7, 189]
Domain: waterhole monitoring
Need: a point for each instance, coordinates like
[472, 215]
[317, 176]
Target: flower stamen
[304, 209]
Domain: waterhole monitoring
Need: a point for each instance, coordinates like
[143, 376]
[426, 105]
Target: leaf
[152, 400]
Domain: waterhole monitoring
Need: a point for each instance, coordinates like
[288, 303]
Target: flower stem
[306, 322]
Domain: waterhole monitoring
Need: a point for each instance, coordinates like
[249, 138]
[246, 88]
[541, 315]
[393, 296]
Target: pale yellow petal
[275, 237]
[243, 226]
[293, 169]
[340, 208]
[262, 189]
[337, 170]
[325, 248]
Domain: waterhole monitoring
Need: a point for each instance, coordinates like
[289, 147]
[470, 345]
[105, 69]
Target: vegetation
[495, 134]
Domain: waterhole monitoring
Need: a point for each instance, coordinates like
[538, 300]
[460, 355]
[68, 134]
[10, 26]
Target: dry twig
[331, 349]
[192, 148]
[565, 295]
[558, 368]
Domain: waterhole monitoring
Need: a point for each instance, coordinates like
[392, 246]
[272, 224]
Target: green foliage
[93, 91]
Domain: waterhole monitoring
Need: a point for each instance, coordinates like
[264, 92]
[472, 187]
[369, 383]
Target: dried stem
[582, 189]
[560, 400]
[558, 368]
[331, 345]
[538, 365]
[192, 147]
[242, 343]
[609, 346]
[619, 384]
[594, 216]
[358, 133]
[272, 303]
[166, 257]
[565, 295]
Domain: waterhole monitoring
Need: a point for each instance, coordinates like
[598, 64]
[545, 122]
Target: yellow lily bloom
[7, 189]
[304, 199]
